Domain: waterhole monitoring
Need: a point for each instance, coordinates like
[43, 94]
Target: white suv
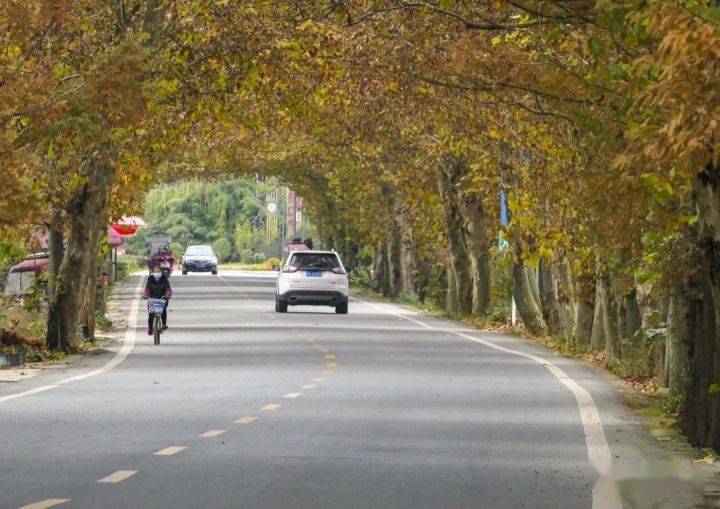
[315, 278]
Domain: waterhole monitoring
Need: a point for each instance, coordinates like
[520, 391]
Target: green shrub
[258, 258]
[126, 265]
[361, 276]
[177, 249]
[223, 249]
[247, 256]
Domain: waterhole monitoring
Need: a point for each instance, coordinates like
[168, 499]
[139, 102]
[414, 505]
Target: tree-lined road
[244, 407]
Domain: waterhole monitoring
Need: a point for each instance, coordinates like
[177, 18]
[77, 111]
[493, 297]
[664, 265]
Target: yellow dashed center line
[327, 373]
[212, 433]
[308, 386]
[245, 420]
[271, 407]
[118, 476]
[331, 365]
[43, 504]
[169, 451]
[292, 395]
[318, 380]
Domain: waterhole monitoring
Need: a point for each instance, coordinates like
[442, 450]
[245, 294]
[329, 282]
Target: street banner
[290, 213]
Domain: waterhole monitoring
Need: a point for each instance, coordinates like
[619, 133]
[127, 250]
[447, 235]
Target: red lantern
[125, 229]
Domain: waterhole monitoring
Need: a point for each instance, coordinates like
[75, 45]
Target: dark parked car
[199, 259]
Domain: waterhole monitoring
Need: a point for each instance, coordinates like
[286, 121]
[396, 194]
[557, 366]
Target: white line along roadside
[127, 347]
[599, 453]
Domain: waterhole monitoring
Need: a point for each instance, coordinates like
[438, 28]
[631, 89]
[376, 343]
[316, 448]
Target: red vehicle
[23, 275]
[164, 259]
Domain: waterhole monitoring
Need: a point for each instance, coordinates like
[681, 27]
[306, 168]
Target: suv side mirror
[276, 268]
[348, 270]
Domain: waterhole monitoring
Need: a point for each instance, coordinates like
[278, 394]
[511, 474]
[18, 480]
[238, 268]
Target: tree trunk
[406, 253]
[679, 338]
[525, 301]
[393, 258]
[633, 321]
[701, 413]
[381, 280]
[584, 309]
[56, 248]
[448, 181]
[533, 281]
[548, 298]
[89, 301]
[597, 337]
[478, 245]
[86, 217]
[564, 296]
[609, 318]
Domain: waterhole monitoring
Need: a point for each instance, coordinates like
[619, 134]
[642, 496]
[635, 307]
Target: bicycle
[156, 308]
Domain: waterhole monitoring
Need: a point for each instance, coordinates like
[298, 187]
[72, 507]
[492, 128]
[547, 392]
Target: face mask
[157, 275]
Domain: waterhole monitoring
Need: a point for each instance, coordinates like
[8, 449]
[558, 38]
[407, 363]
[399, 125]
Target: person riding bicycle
[157, 287]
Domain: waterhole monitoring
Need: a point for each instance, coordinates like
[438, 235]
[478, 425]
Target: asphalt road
[381, 408]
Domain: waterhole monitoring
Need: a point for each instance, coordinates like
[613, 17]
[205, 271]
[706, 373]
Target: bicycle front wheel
[157, 329]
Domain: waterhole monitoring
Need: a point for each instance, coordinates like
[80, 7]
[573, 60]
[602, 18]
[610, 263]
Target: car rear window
[198, 251]
[315, 261]
[18, 282]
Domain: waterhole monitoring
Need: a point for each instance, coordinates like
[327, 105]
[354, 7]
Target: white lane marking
[599, 453]
[169, 451]
[212, 433]
[292, 395]
[118, 476]
[127, 347]
[318, 380]
[42, 388]
[308, 386]
[271, 407]
[245, 420]
[44, 504]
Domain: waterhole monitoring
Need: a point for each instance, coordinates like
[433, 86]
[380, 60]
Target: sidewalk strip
[245, 420]
[43, 504]
[212, 433]
[118, 476]
[169, 451]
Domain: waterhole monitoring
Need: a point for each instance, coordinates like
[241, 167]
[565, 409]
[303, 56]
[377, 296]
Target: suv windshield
[315, 261]
[199, 251]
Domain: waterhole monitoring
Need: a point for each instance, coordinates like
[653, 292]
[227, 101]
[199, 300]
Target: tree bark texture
[381, 279]
[86, 218]
[56, 248]
[584, 309]
[527, 306]
[459, 300]
[478, 245]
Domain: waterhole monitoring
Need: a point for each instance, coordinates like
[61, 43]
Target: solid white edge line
[599, 454]
[127, 347]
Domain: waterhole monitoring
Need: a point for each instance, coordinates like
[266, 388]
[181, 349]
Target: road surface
[381, 408]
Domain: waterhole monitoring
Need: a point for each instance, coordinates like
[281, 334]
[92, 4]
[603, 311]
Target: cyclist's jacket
[157, 289]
